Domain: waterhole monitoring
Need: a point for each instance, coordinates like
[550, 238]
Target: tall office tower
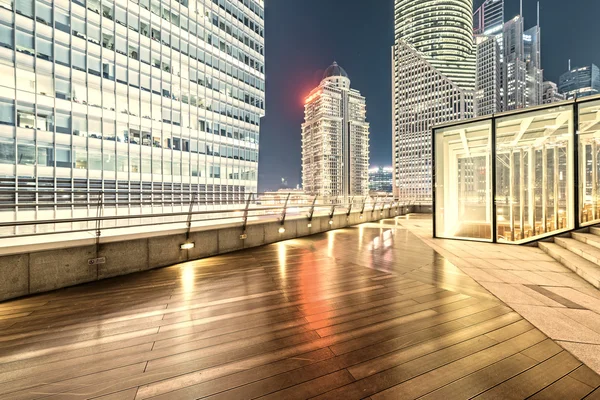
[488, 78]
[551, 93]
[580, 82]
[533, 65]
[381, 179]
[433, 66]
[522, 72]
[148, 101]
[335, 138]
[488, 19]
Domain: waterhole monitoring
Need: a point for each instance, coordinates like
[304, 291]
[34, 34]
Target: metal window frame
[575, 208]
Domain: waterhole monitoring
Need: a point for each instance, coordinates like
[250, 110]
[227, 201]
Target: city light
[281, 230]
[187, 246]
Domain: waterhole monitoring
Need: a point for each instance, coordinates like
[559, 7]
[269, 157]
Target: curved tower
[434, 78]
[440, 29]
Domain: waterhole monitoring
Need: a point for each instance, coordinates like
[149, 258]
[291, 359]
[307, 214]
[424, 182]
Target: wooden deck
[367, 312]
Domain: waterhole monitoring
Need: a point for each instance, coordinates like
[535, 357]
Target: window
[79, 28]
[62, 20]
[25, 116]
[79, 60]
[7, 116]
[44, 49]
[6, 36]
[93, 34]
[108, 41]
[63, 88]
[45, 84]
[62, 54]
[144, 29]
[25, 153]
[63, 122]
[25, 80]
[80, 125]
[43, 13]
[120, 16]
[107, 11]
[133, 52]
[24, 42]
[24, 7]
[108, 70]
[7, 151]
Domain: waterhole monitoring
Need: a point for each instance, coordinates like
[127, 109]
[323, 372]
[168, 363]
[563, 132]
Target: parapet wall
[60, 265]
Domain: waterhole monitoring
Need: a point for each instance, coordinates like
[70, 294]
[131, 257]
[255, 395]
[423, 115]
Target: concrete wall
[58, 265]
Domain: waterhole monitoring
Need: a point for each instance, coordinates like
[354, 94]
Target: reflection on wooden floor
[364, 312]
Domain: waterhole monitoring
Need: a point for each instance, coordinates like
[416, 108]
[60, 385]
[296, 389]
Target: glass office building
[519, 176]
[146, 100]
[580, 82]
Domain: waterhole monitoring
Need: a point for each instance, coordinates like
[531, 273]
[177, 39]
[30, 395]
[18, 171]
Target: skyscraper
[335, 138]
[488, 19]
[488, 25]
[381, 179]
[517, 58]
[580, 82]
[488, 78]
[130, 97]
[433, 66]
[551, 93]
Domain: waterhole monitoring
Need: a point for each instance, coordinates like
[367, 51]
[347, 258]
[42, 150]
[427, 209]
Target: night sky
[303, 37]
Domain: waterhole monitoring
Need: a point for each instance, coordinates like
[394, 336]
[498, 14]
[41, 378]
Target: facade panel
[129, 97]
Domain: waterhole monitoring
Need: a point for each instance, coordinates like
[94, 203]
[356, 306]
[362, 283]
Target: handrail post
[331, 212]
[245, 223]
[350, 207]
[363, 207]
[374, 205]
[312, 209]
[189, 218]
[98, 231]
[284, 211]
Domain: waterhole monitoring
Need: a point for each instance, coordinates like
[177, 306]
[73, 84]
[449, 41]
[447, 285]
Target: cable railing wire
[196, 208]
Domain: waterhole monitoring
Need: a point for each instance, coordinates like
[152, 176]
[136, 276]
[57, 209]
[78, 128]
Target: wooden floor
[367, 312]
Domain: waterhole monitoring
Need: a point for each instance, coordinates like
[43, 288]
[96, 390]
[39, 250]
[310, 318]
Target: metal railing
[55, 212]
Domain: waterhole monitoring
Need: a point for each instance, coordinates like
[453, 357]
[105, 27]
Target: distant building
[381, 179]
[433, 67]
[551, 93]
[335, 138]
[509, 75]
[489, 18]
[488, 78]
[580, 82]
[522, 74]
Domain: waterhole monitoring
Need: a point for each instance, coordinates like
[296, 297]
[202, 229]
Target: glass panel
[589, 168]
[534, 170]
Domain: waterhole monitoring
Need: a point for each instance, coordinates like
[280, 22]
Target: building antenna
[569, 64]
[521, 9]
[538, 14]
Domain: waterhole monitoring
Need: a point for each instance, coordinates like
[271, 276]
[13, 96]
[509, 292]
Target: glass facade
[131, 96]
[463, 181]
[589, 168]
[513, 178]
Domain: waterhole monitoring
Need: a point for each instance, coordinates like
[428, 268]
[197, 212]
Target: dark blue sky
[303, 37]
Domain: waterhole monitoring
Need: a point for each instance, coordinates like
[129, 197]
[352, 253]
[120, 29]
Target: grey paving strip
[557, 298]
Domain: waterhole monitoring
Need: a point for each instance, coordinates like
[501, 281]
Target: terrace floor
[375, 311]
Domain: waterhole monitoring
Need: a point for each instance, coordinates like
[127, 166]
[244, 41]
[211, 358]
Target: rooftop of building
[335, 70]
